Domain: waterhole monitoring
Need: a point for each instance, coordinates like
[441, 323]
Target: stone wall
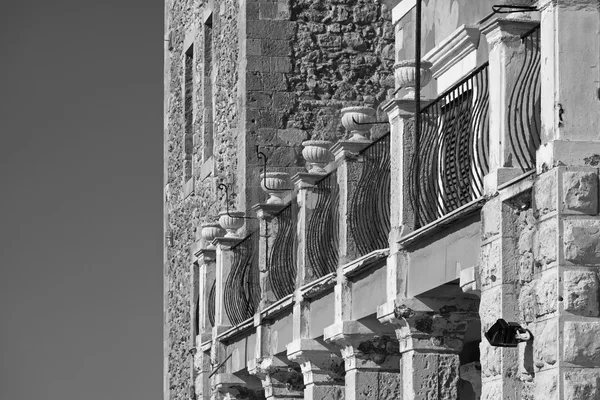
[188, 207]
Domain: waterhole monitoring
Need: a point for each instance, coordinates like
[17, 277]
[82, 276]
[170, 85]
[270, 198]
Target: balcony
[372, 222]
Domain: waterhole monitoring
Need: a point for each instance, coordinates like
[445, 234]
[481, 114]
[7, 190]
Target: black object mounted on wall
[507, 334]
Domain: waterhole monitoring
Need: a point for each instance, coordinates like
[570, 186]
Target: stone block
[253, 47]
[491, 390]
[275, 81]
[329, 41]
[546, 385]
[527, 303]
[281, 64]
[491, 218]
[581, 240]
[581, 292]
[582, 343]
[490, 264]
[254, 81]
[546, 288]
[580, 192]
[545, 343]
[275, 48]
[283, 100]
[266, 29]
[544, 242]
[258, 63]
[582, 385]
[268, 11]
[259, 100]
[544, 192]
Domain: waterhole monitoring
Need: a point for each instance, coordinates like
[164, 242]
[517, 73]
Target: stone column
[205, 262]
[322, 369]
[402, 146]
[506, 61]
[279, 379]
[499, 263]
[230, 386]
[268, 227]
[430, 333]
[349, 170]
[371, 361]
[570, 51]
[224, 263]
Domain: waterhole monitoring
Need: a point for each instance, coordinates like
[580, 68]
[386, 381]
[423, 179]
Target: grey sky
[81, 164]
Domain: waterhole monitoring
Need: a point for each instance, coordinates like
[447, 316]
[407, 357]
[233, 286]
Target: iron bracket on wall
[224, 187]
[262, 156]
[371, 123]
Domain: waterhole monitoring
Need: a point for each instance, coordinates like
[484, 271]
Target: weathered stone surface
[545, 239]
[545, 192]
[581, 292]
[582, 385]
[545, 344]
[580, 192]
[546, 299]
[582, 343]
[581, 241]
[490, 264]
[546, 385]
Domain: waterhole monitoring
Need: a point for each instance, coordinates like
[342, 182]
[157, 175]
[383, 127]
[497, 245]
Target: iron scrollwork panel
[370, 203]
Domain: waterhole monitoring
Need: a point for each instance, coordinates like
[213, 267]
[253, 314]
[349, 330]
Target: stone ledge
[453, 49]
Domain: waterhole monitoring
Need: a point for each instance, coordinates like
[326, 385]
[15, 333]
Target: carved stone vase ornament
[317, 153]
[231, 222]
[405, 73]
[358, 121]
[275, 184]
[210, 231]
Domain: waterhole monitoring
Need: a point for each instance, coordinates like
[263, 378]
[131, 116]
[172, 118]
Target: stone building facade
[323, 240]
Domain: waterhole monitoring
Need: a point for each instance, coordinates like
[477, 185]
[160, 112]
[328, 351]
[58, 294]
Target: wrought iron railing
[524, 104]
[451, 154]
[282, 260]
[369, 216]
[322, 234]
[241, 293]
[212, 296]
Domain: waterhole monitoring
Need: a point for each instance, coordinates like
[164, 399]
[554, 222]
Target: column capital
[503, 30]
[320, 364]
[363, 348]
[280, 379]
[226, 242]
[204, 255]
[347, 149]
[305, 180]
[267, 211]
[403, 108]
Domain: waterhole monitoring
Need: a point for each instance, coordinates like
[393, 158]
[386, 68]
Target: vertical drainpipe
[417, 107]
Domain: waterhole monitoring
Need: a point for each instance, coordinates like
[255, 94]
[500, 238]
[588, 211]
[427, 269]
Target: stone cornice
[500, 30]
[453, 49]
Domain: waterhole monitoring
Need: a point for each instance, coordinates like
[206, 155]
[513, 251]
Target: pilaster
[508, 58]
[349, 170]
[323, 370]
[570, 50]
[307, 201]
[269, 225]
[371, 361]
[280, 380]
